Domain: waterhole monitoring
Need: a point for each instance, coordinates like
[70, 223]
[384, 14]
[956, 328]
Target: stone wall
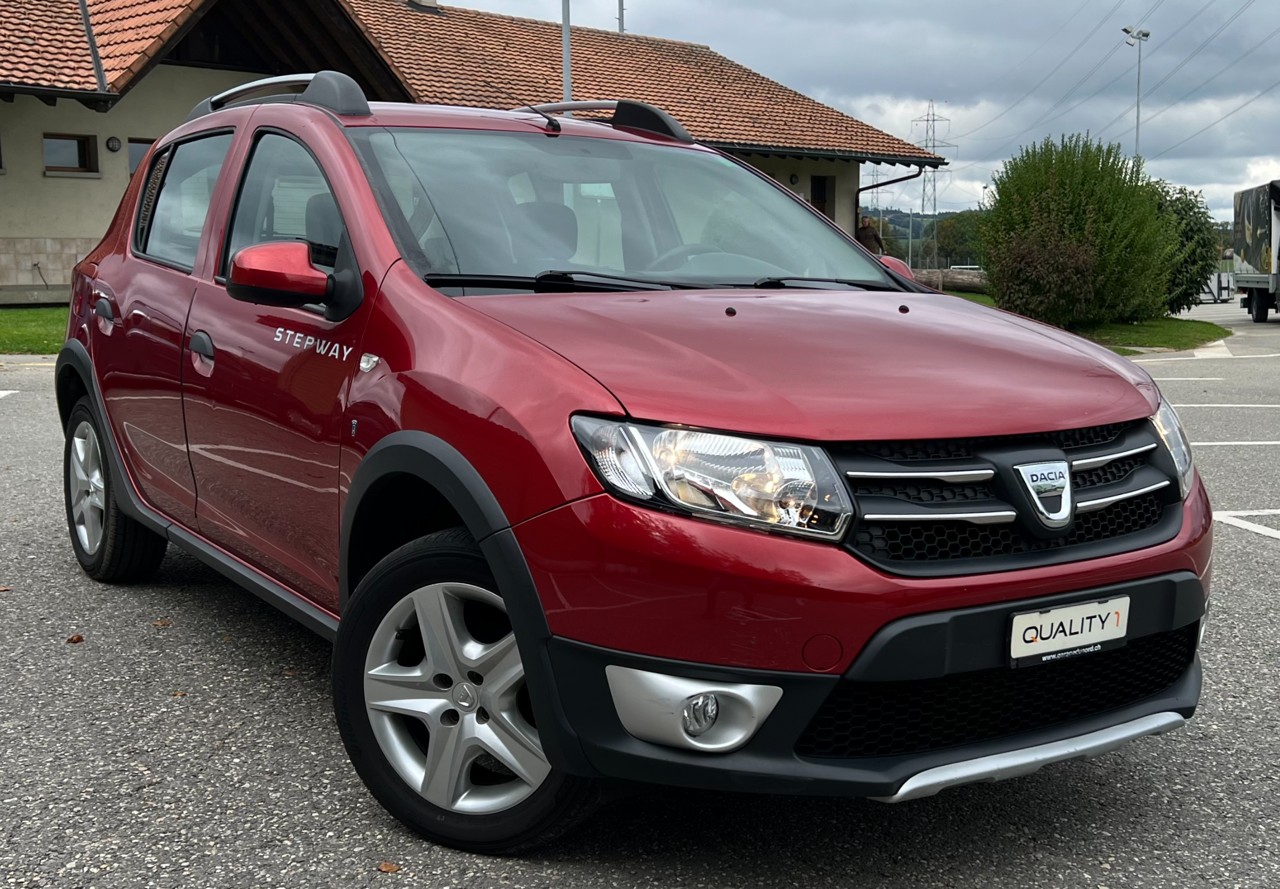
[37, 262]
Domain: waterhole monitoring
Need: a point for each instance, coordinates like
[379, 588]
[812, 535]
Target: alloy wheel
[444, 689]
[87, 486]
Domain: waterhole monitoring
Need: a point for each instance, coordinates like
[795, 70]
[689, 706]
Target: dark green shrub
[1074, 236]
[1195, 257]
[1034, 272]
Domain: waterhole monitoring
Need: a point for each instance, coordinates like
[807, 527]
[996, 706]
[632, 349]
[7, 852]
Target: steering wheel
[677, 255]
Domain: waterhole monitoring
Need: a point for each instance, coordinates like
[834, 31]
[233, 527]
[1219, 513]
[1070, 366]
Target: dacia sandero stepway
[602, 458]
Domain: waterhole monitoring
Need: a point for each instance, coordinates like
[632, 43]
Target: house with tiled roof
[86, 85]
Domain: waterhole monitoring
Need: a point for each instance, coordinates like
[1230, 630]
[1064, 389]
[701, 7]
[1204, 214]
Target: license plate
[1042, 637]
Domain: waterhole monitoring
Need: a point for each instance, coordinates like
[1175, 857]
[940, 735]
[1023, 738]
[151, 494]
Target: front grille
[961, 448]
[927, 492]
[862, 719]
[906, 494]
[949, 541]
[1116, 470]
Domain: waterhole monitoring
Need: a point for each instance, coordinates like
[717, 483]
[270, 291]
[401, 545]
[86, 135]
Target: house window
[137, 151]
[65, 153]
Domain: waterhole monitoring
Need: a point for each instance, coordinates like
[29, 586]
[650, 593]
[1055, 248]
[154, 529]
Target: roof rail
[626, 113]
[331, 90]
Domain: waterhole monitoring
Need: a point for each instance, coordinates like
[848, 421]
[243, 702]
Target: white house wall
[48, 222]
[845, 173]
[52, 221]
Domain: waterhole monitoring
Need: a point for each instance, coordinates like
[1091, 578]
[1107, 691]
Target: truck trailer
[1257, 230]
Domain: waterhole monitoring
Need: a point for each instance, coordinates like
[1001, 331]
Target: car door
[141, 298]
[264, 405]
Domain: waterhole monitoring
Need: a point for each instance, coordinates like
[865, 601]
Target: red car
[600, 456]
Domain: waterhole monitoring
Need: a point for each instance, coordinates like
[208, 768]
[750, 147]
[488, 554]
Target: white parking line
[1229, 444]
[1214, 350]
[1201, 358]
[1235, 519]
[4, 392]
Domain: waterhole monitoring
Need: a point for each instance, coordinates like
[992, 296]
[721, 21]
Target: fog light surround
[692, 714]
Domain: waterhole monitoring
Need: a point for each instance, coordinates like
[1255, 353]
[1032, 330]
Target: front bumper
[627, 578]
[958, 657]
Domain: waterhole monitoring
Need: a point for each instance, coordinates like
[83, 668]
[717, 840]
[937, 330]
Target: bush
[1035, 272]
[1075, 236]
[1196, 255]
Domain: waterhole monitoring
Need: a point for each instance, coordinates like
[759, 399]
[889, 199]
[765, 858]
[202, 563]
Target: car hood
[824, 365]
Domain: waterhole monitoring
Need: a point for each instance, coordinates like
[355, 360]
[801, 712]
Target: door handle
[103, 309]
[201, 344]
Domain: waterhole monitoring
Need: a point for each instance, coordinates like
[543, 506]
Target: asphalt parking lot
[188, 739]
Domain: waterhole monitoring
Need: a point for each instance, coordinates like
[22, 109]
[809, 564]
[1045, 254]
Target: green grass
[1175, 334]
[32, 331]
[1163, 333]
[980, 298]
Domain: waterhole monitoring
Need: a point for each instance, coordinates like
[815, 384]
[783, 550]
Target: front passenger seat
[324, 228]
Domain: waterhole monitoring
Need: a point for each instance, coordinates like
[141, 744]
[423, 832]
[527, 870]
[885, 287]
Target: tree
[893, 245]
[1197, 252]
[1225, 232]
[1075, 236]
[958, 236]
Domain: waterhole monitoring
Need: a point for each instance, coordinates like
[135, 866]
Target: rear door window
[175, 201]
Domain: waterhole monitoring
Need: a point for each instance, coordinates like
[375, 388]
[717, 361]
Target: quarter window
[285, 197]
[176, 199]
[65, 153]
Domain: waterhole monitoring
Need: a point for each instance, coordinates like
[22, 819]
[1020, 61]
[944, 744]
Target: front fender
[442, 466]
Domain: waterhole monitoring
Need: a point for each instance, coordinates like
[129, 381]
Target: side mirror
[278, 273]
[897, 265]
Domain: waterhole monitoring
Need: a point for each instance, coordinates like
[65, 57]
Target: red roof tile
[131, 32]
[43, 44]
[455, 56]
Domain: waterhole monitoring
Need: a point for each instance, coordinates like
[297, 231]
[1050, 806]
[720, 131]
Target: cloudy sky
[1005, 73]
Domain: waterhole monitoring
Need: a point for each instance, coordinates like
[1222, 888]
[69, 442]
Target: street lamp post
[566, 65]
[1138, 36]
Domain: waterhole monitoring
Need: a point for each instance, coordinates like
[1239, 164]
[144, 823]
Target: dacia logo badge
[1050, 487]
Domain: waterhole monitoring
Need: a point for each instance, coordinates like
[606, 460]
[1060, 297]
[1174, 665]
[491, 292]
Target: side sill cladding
[439, 464]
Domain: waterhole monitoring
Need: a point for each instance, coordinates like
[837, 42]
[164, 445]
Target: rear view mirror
[278, 273]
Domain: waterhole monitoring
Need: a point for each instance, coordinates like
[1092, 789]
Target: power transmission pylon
[875, 194]
[929, 199]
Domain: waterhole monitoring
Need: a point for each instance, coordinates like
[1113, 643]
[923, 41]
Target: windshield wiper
[776, 282]
[550, 281]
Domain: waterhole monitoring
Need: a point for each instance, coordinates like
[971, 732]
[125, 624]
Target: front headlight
[784, 487]
[1170, 429]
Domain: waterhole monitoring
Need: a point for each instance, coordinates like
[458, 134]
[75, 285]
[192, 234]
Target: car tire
[1258, 306]
[110, 546]
[432, 706]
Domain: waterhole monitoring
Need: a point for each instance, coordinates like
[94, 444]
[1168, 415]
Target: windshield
[482, 203]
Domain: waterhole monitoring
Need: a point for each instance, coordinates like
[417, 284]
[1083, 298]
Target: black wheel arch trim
[439, 464]
[74, 358]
